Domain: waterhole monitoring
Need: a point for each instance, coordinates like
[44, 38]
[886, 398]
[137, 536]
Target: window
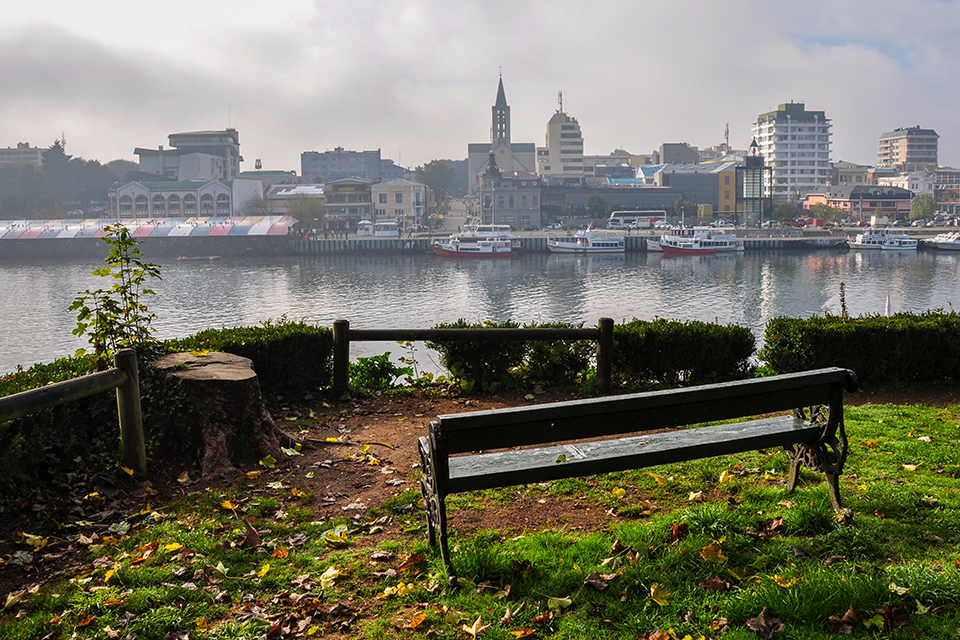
[158, 202]
[383, 198]
[511, 202]
[398, 197]
[726, 179]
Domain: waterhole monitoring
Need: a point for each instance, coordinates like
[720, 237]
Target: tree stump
[228, 410]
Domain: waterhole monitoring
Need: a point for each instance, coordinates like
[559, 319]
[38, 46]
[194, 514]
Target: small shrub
[485, 365]
[376, 373]
[560, 362]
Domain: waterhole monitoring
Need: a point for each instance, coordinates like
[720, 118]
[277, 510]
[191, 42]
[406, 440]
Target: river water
[404, 291]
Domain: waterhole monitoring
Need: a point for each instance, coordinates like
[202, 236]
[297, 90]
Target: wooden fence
[343, 335]
[123, 377]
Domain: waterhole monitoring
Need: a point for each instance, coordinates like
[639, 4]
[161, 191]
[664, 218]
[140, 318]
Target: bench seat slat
[524, 466]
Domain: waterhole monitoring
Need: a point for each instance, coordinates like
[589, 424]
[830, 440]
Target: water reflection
[379, 290]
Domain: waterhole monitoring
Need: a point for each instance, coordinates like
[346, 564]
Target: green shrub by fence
[666, 353]
[286, 355]
[479, 364]
[902, 348]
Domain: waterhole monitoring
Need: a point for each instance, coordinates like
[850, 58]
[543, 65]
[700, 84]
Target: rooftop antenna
[726, 136]
[560, 100]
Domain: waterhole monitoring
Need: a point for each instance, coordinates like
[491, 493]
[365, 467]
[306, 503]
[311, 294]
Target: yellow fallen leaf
[328, 576]
[111, 573]
[619, 492]
[253, 475]
[173, 546]
[725, 476]
[560, 460]
[659, 479]
[558, 603]
[264, 570]
[226, 504]
[417, 620]
[659, 595]
[269, 462]
[784, 582]
[909, 467]
[476, 628]
[127, 470]
[713, 552]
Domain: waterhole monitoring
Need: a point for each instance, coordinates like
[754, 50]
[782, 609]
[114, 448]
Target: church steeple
[501, 118]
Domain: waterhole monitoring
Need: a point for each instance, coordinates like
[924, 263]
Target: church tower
[500, 131]
[510, 156]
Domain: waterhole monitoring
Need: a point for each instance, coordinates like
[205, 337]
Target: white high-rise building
[796, 144]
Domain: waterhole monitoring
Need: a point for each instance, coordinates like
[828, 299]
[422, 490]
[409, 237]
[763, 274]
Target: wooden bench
[560, 440]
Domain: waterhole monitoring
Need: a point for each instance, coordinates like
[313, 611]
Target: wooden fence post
[605, 355]
[341, 355]
[128, 409]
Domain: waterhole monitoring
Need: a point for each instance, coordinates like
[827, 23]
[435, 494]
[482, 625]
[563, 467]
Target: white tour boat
[459, 247]
[945, 241]
[883, 239]
[696, 241]
[476, 231]
[584, 242]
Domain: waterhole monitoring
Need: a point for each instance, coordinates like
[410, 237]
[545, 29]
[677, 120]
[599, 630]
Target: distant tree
[785, 211]
[923, 206]
[596, 206]
[437, 175]
[827, 213]
[684, 208]
[309, 211]
[256, 206]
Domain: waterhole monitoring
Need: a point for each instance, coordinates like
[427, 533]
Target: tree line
[60, 184]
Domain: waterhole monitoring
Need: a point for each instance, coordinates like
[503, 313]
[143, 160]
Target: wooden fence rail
[343, 335]
[123, 377]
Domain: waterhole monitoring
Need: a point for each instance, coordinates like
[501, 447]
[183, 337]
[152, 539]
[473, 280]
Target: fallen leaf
[909, 467]
[694, 496]
[595, 581]
[659, 595]
[269, 462]
[560, 460]
[895, 588]
[558, 603]
[543, 618]
[509, 615]
[619, 492]
[263, 570]
[713, 552]
[784, 582]
[417, 620]
[713, 584]
[845, 624]
[327, 577]
[280, 552]
[226, 504]
[522, 632]
[764, 624]
[680, 531]
[477, 627]
[925, 439]
[725, 476]
[660, 480]
[252, 539]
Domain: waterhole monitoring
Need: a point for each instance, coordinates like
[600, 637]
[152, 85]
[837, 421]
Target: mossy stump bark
[228, 411]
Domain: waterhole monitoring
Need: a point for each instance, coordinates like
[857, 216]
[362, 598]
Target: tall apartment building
[561, 160]
[908, 150]
[22, 154]
[340, 163]
[795, 143]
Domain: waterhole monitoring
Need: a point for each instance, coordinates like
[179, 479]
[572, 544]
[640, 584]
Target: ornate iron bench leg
[428, 491]
[827, 456]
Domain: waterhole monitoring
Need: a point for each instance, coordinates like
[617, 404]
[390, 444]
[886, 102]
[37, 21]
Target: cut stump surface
[228, 410]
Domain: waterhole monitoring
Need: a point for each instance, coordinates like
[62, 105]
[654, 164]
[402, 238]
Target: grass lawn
[704, 549]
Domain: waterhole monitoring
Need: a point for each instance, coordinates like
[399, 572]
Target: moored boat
[945, 241]
[476, 231]
[883, 239]
[458, 247]
[584, 242]
[696, 241]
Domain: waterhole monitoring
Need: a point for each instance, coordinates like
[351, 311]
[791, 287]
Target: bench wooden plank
[594, 418]
[522, 466]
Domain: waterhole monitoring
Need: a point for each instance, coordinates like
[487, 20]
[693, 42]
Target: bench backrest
[614, 415]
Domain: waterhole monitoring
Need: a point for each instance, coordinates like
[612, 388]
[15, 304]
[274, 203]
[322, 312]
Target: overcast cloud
[417, 78]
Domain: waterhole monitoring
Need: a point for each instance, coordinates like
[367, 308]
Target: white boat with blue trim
[586, 243]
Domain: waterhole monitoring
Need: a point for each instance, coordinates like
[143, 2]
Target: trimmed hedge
[286, 355]
[670, 353]
[902, 348]
[481, 365]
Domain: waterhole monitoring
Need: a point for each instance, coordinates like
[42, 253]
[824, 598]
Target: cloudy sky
[417, 78]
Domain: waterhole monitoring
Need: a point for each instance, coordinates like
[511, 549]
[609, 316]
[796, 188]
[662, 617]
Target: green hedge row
[286, 355]
[669, 353]
[902, 348]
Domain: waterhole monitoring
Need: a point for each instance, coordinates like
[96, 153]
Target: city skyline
[416, 79]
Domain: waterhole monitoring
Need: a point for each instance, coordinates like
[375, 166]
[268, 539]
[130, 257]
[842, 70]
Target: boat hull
[686, 251]
[451, 253]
